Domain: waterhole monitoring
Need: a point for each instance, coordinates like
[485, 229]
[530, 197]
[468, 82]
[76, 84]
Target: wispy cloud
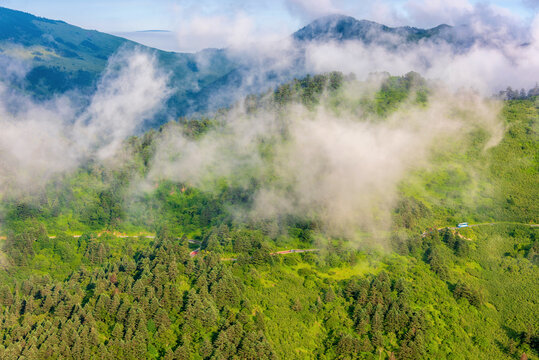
[339, 167]
[42, 139]
[534, 4]
[311, 9]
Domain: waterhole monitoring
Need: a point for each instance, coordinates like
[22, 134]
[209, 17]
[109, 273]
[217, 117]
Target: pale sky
[196, 24]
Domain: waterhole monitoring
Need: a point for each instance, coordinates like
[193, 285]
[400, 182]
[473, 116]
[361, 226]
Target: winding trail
[426, 232]
[292, 251]
[491, 224]
[118, 235]
[283, 252]
[191, 241]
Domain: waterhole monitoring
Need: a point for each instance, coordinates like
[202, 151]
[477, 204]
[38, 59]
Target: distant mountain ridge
[55, 43]
[61, 57]
[341, 27]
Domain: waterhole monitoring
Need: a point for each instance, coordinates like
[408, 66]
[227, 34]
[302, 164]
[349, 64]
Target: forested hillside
[45, 58]
[152, 255]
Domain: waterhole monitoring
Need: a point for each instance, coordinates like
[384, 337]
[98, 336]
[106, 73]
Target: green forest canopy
[437, 293]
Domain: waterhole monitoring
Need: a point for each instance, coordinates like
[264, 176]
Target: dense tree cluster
[443, 293]
[157, 303]
[383, 319]
[510, 94]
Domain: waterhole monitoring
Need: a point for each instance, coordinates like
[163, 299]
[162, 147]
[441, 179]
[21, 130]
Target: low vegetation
[91, 269]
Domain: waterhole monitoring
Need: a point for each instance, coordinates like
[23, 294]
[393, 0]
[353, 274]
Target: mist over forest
[349, 191]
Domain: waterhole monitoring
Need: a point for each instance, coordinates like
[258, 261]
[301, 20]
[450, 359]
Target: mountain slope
[59, 39]
[46, 57]
[340, 28]
[196, 281]
[59, 57]
[252, 78]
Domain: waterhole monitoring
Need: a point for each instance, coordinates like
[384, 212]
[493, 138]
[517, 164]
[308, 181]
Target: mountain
[255, 75]
[346, 28]
[45, 57]
[327, 219]
[60, 57]
[252, 77]
[119, 260]
[341, 28]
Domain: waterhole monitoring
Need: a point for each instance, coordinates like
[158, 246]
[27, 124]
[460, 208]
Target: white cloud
[41, 139]
[239, 30]
[131, 90]
[385, 13]
[429, 13]
[340, 167]
[215, 31]
[486, 69]
[163, 40]
[311, 9]
[534, 4]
